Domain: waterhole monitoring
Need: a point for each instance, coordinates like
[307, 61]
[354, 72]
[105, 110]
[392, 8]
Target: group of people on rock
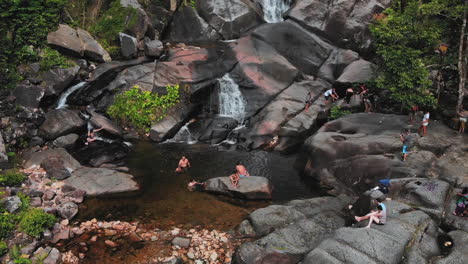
[331, 96]
[241, 172]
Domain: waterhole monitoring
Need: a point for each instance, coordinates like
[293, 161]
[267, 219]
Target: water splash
[183, 136]
[273, 10]
[231, 101]
[62, 102]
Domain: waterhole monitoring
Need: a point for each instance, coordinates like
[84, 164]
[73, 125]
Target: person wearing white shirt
[330, 93]
[424, 124]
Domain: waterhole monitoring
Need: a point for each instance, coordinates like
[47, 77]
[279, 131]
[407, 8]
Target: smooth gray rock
[90, 48]
[252, 187]
[11, 203]
[67, 210]
[28, 95]
[65, 141]
[359, 71]
[60, 122]
[54, 257]
[267, 219]
[55, 81]
[36, 158]
[100, 181]
[231, 19]
[188, 26]
[128, 45]
[100, 121]
[181, 242]
[153, 48]
[458, 255]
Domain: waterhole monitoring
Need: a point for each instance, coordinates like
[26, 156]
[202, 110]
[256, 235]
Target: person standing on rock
[412, 113]
[184, 164]
[349, 94]
[330, 93]
[424, 124]
[408, 141]
[367, 103]
[379, 217]
[308, 101]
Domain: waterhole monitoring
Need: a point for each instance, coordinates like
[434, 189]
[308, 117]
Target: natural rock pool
[165, 198]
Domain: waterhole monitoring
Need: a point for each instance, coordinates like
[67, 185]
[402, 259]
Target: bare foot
[357, 219]
[367, 227]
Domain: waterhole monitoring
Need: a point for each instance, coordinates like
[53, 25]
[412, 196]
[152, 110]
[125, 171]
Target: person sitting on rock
[308, 101]
[379, 217]
[92, 135]
[241, 172]
[408, 141]
[184, 164]
[462, 203]
[330, 93]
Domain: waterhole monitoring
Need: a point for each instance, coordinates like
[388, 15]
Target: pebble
[110, 243]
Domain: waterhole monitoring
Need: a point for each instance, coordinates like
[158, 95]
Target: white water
[183, 136]
[231, 101]
[62, 102]
[273, 10]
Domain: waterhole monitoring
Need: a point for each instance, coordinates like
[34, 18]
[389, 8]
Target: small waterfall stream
[273, 10]
[183, 136]
[231, 101]
[62, 102]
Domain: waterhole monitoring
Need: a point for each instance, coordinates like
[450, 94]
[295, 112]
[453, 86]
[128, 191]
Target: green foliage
[404, 37]
[336, 112]
[35, 220]
[11, 178]
[7, 223]
[25, 201]
[51, 58]
[3, 248]
[24, 25]
[141, 108]
[113, 21]
[17, 257]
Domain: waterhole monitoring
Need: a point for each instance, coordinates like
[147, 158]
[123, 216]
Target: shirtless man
[92, 135]
[241, 172]
[184, 164]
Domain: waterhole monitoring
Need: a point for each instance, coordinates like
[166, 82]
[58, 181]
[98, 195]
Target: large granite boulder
[359, 71]
[65, 141]
[193, 64]
[350, 154]
[100, 121]
[188, 26]
[58, 79]
[32, 159]
[77, 43]
[286, 117]
[128, 46]
[153, 48]
[102, 182]
[231, 19]
[28, 95]
[60, 122]
[343, 22]
[292, 230]
[251, 188]
[137, 23]
[261, 73]
[170, 124]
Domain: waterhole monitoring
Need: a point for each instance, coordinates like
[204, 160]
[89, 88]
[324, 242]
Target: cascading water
[231, 101]
[62, 102]
[183, 136]
[273, 10]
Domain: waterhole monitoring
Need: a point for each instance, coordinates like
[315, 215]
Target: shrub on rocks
[7, 223]
[3, 248]
[11, 178]
[35, 220]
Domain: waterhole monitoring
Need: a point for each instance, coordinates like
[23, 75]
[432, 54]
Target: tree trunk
[462, 61]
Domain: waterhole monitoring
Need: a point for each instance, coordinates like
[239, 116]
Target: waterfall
[231, 101]
[183, 136]
[62, 102]
[273, 10]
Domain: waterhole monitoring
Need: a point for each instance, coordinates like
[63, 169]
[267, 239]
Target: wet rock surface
[252, 187]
